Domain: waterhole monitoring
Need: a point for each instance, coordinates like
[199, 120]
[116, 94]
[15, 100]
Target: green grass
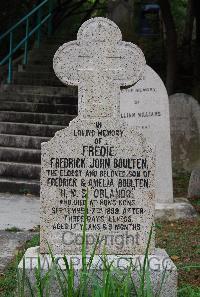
[110, 282]
[196, 202]
[13, 229]
[180, 183]
[180, 239]
[8, 280]
[189, 291]
[23, 191]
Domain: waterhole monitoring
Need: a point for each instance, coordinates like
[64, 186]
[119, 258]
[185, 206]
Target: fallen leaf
[175, 258]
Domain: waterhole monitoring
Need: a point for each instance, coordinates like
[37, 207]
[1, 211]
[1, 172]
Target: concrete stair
[10, 154]
[32, 109]
[38, 107]
[31, 129]
[39, 90]
[23, 141]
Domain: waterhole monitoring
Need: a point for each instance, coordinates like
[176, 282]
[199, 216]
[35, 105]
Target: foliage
[8, 280]
[189, 291]
[13, 229]
[180, 183]
[12, 11]
[110, 282]
[179, 8]
[181, 241]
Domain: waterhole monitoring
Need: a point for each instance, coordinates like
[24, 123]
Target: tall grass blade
[29, 285]
[38, 278]
[145, 262]
[84, 265]
[162, 282]
[58, 271]
[148, 289]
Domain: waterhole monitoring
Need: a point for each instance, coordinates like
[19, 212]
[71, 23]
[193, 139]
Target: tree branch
[171, 44]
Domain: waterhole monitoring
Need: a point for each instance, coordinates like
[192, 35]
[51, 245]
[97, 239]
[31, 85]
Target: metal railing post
[26, 43]
[40, 20]
[38, 38]
[9, 80]
[50, 25]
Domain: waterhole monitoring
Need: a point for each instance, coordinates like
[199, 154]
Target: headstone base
[159, 264]
[180, 209]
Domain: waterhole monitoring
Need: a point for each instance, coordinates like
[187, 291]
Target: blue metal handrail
[39, 22]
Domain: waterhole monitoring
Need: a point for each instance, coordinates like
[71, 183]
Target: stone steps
[44, 55]
[38, 107]
[19, 185]
[37, 81]
[13, 154]
[29, 129]
[38, 98]
[22, 141]
[54, 42]
[35, 75]
[47, 49]
[30, 117]
[36, 68]
[39, 90]
[32, 109]
[37, 59]
[18, 169]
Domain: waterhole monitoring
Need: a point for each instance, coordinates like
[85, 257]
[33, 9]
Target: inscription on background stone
[98, 152]
[145, 107]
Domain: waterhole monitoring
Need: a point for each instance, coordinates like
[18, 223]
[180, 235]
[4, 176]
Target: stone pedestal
[181, 209]
[159, 264]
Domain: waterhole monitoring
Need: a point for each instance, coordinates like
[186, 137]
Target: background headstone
[185, 131]
[122, 13]
[145, 107]
[98, 152]
[194, 184]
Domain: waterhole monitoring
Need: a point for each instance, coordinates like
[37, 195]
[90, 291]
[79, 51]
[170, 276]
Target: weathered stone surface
[10, 242]
[19, 211]
[145, 107]
[100, 153]
[120, 185]
[99, 62]
[113, 162]
[159, 265]
[181, 209]
[194, 184]
[185, 131]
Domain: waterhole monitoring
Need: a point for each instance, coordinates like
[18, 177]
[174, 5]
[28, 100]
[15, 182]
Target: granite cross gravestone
[97, 152]
[145, 107]
[100, 153]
